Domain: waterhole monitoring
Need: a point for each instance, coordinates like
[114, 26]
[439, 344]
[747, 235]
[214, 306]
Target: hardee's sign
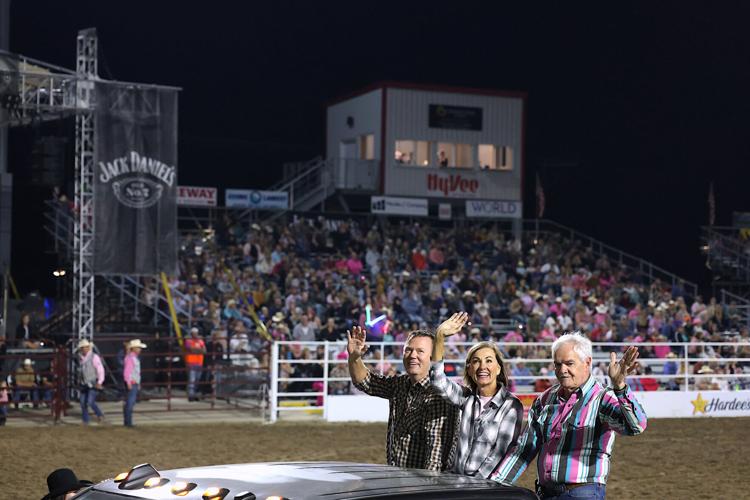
[451, 185]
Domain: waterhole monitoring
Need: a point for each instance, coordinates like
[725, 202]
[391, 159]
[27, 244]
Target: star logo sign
[699, 404]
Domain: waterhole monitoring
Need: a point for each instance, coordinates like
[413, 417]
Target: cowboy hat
[136, 343]
[278, 317]
[602, 309]
[83, 343]
[62, 481]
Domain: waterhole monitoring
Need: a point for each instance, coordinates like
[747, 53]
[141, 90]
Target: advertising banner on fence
[262, 200]
[657, 404]
[695, 403]
[197, 196]
[495, 209]
[399, 206]
[135, 180]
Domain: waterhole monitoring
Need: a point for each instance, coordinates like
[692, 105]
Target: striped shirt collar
[581, 391]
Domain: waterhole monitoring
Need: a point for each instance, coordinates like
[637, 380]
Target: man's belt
[555, 489]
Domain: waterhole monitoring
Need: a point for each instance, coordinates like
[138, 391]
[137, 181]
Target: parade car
[287, 480]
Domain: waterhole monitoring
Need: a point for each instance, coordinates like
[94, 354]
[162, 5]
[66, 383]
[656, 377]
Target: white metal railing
[689, 355]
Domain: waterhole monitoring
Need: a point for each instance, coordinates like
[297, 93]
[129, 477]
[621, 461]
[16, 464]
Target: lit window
[446, 154]
[405, 152]
[423, 153]
[493, 157]
[505, 158]
[464, 156]
[367, 147]
[487, 156]
[413, 152]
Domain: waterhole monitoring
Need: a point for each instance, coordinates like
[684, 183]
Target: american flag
[711, 205]
[539, 198]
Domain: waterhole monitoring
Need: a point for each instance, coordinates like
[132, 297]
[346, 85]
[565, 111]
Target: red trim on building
[427, 87]
[383, 115]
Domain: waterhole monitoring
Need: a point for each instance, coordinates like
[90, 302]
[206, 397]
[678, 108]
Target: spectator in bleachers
[520, 371]
[304, 331]
[25, 384]
[26, 333]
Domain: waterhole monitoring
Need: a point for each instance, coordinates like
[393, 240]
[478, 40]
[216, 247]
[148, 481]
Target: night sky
[632, 109]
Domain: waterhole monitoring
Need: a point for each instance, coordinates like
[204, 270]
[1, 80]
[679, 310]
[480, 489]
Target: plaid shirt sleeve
[377, 385]
[519, 456]
[448, 389]
[622, 412]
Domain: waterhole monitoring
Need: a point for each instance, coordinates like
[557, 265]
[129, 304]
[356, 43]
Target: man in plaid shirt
[572, 425]
[421, 424]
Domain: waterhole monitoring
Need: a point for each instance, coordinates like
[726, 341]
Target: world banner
[135, 180]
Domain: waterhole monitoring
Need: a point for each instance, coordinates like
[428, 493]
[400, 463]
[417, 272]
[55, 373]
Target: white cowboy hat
[83, 343]
[136, 343]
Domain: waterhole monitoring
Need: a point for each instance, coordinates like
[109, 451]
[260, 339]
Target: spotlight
[59, 272]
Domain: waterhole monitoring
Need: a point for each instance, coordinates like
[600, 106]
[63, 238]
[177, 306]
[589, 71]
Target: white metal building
[433, 143]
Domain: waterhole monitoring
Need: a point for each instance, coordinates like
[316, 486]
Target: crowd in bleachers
[313, 278]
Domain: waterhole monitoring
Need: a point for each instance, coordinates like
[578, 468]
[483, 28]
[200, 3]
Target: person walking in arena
[132, 377]
[572, 425]
[195, 349]
[92, 380]
[491, 416]
[421, 424]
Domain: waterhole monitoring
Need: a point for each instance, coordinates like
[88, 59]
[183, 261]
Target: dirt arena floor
[699, 458]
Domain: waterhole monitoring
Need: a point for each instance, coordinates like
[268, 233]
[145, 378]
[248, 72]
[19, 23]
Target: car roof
[329, 480]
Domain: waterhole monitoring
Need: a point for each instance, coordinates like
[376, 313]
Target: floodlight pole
[83, 232]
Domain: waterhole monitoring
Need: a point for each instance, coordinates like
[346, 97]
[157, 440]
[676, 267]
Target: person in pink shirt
[546, 335]
[132, 377]
[513, 336]
[436, 257]
[354, 265]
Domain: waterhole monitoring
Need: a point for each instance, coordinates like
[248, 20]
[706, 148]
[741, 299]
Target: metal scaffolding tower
[33, 91]
[83, 234]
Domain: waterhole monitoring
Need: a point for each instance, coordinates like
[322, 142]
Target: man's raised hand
[453, 325]
[618, 370]
[356, 345]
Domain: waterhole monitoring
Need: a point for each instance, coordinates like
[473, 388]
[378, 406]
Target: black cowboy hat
[63, 481]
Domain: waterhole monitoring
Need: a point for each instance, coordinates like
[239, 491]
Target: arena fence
[237, 381]
[307, 376]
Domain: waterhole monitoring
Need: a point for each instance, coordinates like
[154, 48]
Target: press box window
[493, 157]
[412, 152]
[367, 147]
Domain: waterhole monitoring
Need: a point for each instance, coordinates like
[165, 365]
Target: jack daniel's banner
[135, 180]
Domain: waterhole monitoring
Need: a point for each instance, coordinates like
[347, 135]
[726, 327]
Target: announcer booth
[430, 150]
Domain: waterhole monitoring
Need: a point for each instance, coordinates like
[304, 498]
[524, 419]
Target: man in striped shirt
[572, 425]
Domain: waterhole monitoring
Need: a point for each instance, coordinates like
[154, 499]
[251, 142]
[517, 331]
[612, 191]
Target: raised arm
[356, 347]
[450, 326]
[366, 381]
[619, 409]
[449, 390]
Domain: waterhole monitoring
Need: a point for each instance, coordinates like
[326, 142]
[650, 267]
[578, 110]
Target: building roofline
[429, 88]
